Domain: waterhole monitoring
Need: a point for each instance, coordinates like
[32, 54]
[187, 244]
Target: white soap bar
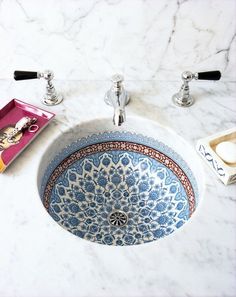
[226, 150]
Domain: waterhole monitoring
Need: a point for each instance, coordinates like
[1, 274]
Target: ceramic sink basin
[120, 186]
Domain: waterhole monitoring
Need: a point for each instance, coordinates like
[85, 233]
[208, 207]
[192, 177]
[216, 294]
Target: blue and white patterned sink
[118, 187]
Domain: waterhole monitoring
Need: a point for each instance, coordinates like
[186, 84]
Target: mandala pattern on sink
[145, 184]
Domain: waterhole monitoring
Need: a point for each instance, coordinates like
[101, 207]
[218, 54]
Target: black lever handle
[21, 75]
[209, 75]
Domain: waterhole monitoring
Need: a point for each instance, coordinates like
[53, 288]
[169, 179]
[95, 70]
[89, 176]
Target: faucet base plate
[182, 102]
[50, 102]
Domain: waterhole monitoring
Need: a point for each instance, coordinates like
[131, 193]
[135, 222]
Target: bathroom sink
[120, 186]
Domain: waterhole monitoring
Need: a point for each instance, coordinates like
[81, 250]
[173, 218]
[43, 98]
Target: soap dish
[206, 147]
[12, 143]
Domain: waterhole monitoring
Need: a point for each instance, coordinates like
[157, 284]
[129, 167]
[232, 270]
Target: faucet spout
[119, 116]
[118, 98]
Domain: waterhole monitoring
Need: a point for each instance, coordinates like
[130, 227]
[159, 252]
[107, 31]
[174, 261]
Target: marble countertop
[38, 258]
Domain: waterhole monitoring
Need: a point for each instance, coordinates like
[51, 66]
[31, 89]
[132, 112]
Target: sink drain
[118, 218]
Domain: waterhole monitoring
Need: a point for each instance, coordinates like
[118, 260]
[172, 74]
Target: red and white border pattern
[121, 146]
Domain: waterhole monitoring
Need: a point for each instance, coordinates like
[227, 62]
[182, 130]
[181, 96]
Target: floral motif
[119, 171]
[91, 184]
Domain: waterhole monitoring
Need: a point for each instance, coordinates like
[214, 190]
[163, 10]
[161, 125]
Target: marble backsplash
[92, 39]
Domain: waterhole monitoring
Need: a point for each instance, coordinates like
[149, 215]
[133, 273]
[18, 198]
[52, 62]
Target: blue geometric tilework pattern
[148, 192]
[117, 136]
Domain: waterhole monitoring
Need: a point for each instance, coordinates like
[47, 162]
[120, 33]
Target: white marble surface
[39, 259]
[144, 39]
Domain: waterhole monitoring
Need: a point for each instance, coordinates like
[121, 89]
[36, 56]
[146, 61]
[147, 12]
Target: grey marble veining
[38, 258]
[96, 38]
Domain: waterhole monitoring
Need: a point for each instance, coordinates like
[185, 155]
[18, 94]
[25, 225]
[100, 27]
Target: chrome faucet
[183, 97]
[51, 97]
[117, 97]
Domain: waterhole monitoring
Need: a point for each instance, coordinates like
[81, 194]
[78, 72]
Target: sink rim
[115, 131]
